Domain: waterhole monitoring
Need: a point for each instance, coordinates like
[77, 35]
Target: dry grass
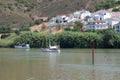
[17, 15]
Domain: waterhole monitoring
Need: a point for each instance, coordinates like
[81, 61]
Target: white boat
[22, 46]
[55, 48]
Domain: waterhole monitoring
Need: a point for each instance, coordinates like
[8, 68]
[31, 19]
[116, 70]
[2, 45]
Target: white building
[112, 21]
[115, 14]
[96, 25]
[81, 14]
[117, 27]
[63, 19]
[101, 15]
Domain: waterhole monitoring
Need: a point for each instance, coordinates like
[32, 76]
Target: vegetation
[5, 35]
[78, 27]
[69, 39]
[7, 41]
[108, 4]
[33, 38]
[37, 22]
[26, 26]
[116, 9]
[27, 3]
[5, 29]
[15, 12]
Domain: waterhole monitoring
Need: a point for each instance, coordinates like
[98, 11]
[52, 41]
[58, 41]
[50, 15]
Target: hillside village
[102, 19]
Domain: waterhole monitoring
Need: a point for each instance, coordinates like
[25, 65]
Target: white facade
[112, 21]
[117, 27]
[81, 14]
[59, 20]
[96, 25]
[116, 14]
[101, 15]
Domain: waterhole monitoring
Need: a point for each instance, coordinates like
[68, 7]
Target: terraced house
[117, 27]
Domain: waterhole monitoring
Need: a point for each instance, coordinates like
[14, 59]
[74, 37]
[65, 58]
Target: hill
[15, 12]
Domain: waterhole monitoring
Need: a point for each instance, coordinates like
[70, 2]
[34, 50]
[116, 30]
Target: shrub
[5, 29]
[3, 36]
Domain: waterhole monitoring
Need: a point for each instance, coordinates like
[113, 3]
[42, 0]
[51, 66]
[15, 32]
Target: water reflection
[53, 64]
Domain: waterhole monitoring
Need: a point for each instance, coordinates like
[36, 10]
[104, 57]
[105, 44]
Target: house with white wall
[81, 14]
[101, 15]
[96, 25]
[117, 27]
[115, 14]
[112, 21]
[61, 19]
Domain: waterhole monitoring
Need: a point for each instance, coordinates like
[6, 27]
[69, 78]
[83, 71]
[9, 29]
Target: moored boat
[22, 46]
[55, 48]
[51, 49]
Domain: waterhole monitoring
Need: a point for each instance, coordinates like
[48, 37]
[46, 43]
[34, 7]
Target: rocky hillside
[15, 12]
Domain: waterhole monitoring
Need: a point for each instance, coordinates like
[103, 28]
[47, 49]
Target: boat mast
[49, 36]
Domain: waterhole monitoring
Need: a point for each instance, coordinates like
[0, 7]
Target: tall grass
[7, 42]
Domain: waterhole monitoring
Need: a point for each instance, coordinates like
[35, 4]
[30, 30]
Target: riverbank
[66, 39]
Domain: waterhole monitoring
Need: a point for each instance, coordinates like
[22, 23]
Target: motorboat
[22, 46]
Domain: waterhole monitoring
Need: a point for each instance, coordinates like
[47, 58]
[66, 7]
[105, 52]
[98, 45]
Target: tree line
[68, 39]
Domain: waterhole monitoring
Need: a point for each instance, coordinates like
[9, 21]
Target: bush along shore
[67, 39]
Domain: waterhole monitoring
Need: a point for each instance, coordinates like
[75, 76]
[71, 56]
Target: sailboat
[54, 48]
[51, 48]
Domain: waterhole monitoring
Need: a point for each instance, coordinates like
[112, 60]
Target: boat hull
[22, 46]
[50, 50]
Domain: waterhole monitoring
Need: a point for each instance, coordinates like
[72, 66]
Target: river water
[69, 64]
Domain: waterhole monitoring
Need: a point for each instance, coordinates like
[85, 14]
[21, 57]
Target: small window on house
[117, 27]
[113, 27]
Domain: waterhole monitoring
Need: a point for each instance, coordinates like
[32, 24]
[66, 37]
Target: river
[69, 64]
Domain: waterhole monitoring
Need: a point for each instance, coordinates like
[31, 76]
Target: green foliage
[66, 39]
[37, 22]
[116, 9]
[108, 38]
[1, 3]
[67, 29]
[118, 2]
[78, 23]
[25, 26]
[5, 35]
[7, 41]
[107, 4]
[5, 29]
[79, 39]
[17, 32]
[32, 38]
[78, 26]
[27, 3]
[117, 41]
[70, 39]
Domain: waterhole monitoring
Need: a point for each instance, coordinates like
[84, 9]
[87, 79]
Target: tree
[5, 29]
[108, 38]
[78, 26]
[25, 26]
